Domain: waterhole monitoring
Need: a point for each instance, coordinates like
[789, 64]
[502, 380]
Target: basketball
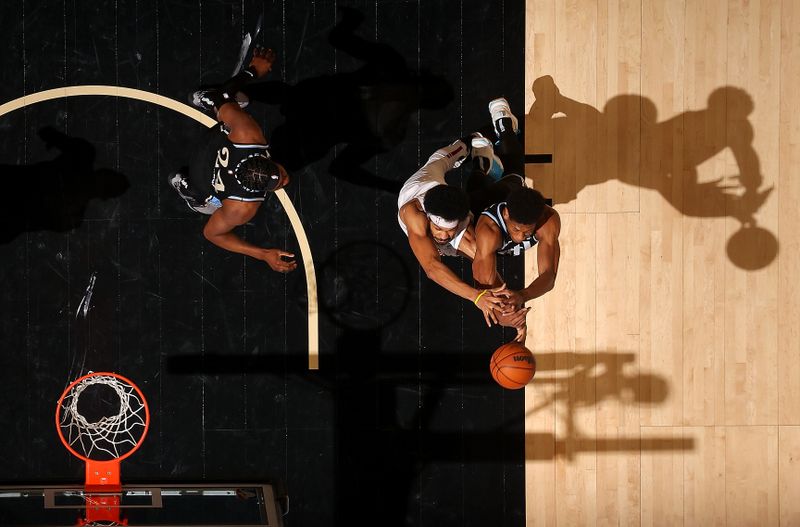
[512, 366]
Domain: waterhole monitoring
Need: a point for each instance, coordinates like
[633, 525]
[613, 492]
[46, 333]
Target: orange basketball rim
[111, 433]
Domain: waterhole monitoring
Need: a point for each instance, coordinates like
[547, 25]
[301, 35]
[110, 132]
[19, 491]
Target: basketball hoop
[102, 418]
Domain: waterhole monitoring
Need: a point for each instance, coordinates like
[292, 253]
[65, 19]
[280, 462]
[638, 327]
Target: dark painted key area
[104, 268]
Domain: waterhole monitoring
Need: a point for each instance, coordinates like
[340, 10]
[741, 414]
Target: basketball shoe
[200, 99]
[499, 109]
[482, 149]
[181, 186]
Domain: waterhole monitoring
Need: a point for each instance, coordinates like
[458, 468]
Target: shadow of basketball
[752, 248]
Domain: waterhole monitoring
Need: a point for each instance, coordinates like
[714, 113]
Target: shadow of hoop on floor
[570, 381]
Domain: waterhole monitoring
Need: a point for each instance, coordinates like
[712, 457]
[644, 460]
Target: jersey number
[222, 161]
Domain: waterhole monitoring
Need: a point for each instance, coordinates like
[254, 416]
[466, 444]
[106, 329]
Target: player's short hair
[258, 173]
[525, 205]
[447, 202]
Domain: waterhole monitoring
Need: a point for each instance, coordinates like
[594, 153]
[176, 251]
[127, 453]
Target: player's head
[258, 173]
[524, 207]
[730, 101]
[446, 207]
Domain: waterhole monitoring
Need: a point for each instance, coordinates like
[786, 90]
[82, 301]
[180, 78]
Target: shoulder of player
[487, 232]
[487, 226]
[551, 228]
[414, 217]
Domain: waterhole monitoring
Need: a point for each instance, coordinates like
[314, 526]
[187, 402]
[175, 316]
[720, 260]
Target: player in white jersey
[436, 218]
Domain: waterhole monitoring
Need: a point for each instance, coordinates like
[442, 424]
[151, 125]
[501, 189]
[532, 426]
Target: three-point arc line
[165, 102]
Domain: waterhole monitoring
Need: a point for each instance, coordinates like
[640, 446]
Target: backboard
[230, 505]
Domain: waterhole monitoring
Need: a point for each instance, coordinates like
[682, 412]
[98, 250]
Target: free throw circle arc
[166, 102]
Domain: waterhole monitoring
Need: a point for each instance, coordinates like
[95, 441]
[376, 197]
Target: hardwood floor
[668, 389]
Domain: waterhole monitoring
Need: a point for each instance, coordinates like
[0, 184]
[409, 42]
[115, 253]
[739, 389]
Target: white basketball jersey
[430, 175]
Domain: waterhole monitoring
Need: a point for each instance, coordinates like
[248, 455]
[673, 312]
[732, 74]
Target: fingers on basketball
[512, 365]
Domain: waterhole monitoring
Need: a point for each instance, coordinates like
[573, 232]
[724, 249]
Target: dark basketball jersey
[507, 245]
[225, 183]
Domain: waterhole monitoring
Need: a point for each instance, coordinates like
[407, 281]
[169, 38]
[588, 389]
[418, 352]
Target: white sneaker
[482, 147]
[179, 183]
[208, 208]
[200, 99]
[500, 109]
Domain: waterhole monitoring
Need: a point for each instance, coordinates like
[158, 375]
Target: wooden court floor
[668, 383]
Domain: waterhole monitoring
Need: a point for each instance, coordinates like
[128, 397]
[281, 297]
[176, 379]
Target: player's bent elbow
[482, 276]
[551, 282]
[483, 279]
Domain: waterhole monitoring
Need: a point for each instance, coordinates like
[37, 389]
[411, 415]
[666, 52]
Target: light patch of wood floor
[668, 354]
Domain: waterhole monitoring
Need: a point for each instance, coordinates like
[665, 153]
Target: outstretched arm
[436, 270]
[484, 265]
[431, 262]
[548, 253]
[547, 256]
[219, 231]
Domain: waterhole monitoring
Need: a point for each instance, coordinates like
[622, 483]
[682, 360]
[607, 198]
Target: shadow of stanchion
[645, 153]
[357, 381]
[587, 381]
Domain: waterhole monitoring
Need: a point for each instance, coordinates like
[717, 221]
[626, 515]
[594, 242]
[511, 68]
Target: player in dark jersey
[511, 227]
[232, 173]
[516, 219]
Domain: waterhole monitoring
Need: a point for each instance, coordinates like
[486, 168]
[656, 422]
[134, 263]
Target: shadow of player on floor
[626, 141]
[53, 195]
[367, 110]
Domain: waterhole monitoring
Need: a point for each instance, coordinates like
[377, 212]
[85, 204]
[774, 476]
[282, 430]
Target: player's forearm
[446, 278]
[231, 242]
[484, 271]
[541, 285]
[488, 281]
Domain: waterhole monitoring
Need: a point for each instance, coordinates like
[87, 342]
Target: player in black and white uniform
[232, 171]
[522, 221]
[515, 221]
[508, 245]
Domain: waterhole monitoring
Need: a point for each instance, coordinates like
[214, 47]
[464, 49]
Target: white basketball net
[111, 436]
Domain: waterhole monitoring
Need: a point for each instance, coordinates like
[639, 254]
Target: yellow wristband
[479, 296]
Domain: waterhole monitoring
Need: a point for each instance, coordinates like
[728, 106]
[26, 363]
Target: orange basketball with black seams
[512, 366]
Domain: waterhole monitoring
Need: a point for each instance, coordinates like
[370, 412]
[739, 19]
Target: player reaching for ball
[436, 218]
[510, 226]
